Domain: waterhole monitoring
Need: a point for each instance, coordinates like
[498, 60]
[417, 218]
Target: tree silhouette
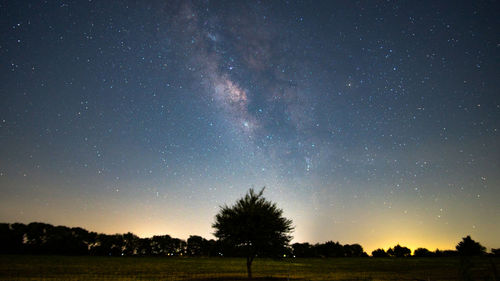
[495, 252]
[255, 225]
[379, 253]
[195, 245]
[131, 244]
[469, 247]
[354, 250]
[330, 249]
[445, 253]
[422, 252]
[303, 250]
[399, 251]
[11, 238]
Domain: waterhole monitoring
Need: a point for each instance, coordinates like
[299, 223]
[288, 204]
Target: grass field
[155, 268]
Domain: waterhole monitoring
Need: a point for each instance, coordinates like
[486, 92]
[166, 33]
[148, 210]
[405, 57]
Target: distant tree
[302, 250]
[469, 247]
[130, 244]
[199, 246]
[255, 225]
[496, 252]
[390, 252]
[195, 245]
[161, 245]
[63, 240]
[83, 240]
[178, 246]
[450, 253]
[164, 245]
[144, 247]
[11, 239]
[327, 249]
[379, 253]
[445, 253]
[354, 250]
[211, 248]
[19, 237]
[37, 236]
[109, 245]
[399, 251]
[5, 238]
[330, 249]
[422, 252]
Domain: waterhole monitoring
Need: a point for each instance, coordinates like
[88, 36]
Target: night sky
[371, 122]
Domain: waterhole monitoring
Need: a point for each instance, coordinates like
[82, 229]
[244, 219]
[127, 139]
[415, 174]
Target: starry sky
[371, 122]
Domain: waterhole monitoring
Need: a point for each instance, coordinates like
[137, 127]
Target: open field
[14, 267]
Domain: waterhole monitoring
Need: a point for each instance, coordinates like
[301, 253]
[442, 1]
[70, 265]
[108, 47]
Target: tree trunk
[249, 267]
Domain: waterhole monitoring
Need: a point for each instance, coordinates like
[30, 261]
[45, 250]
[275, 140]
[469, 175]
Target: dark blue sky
[371, 122]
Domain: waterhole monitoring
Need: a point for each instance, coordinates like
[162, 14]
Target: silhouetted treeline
[42, 238]
[467, 247]
[328, 249]
[398, 251]
[420, 252]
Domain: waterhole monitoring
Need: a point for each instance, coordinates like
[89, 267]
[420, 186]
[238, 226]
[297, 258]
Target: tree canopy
[399, 251]
[254, 225]
[379, 253]
[469, 247]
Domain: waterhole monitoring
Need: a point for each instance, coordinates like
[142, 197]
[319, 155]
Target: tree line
[466, 247]
[327, 250]
[43, 238]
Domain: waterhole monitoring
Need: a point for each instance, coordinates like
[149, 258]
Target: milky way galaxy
[368, 122]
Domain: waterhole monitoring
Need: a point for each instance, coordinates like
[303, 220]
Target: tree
[11, 238]
[354, 250]
[255, 225]
[445, 253]
[495, 252]
[422, 252]
[195, 245]
[379, 253]
[131, 244]
[469, 247]
[144, 247]
[109, 245]
[399, 251]
[303, 250]
[330, 249]
[161, 245]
